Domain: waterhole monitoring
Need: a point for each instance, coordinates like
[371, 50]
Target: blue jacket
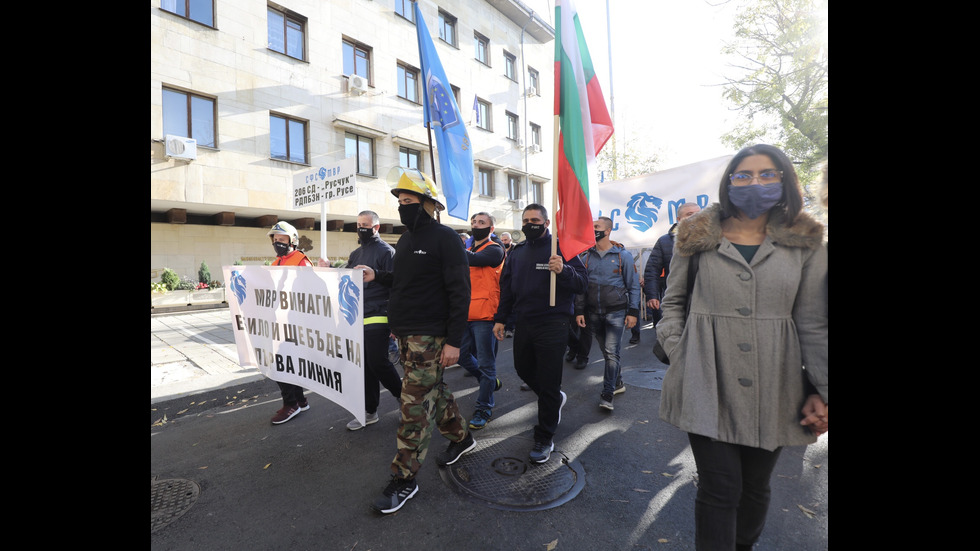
[525, 283]
[613, 283]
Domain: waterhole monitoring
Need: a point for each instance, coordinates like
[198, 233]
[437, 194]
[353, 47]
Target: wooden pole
[554, 204]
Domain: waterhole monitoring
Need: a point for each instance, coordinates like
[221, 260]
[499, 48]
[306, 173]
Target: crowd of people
[737, 290]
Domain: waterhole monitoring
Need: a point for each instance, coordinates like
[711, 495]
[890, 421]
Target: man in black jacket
[658, 264]
[429, 304]
[376, 253]
[541, 330]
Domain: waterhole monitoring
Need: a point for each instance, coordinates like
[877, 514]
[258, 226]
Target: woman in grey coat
[748, 364]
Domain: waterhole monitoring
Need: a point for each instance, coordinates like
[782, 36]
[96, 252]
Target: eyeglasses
[746, 178]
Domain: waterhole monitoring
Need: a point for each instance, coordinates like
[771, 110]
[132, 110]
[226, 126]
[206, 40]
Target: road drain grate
[169, 499]
[499, 474]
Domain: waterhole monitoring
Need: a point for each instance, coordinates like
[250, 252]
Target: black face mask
[282, 249]
[599, 235]
[365, 234]
[479, 234]
[533, 231]
[410, 214]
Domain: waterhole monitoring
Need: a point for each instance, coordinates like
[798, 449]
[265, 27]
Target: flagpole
[554, 204]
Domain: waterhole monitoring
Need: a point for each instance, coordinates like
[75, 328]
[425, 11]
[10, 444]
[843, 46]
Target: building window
[533, 82]
[363, 149]
[447, 28]
[486, 182]
[189, 115]
[535, 194]
[287, 139]
[456, 94]
[536, 135]
[408, 83]
[201, 11]
[287, 34]
[406, 9]
[357, 60]
[510, 66]
[482, 48]
[483, 115]
[513, 131]
[410, 158]
[513, 187]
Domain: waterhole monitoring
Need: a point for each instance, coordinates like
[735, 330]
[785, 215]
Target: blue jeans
[608, 331]
[478, 355]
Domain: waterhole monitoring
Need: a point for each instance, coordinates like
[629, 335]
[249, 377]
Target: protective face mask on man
[282, 249]
[755, 200]
[410, 213]
[533, 231]
[479, 234]
[365, 234]
[599, 235]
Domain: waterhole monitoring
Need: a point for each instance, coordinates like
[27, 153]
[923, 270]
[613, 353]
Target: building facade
[269, 90]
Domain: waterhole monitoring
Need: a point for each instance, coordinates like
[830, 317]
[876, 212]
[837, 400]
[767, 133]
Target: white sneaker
[369, 419]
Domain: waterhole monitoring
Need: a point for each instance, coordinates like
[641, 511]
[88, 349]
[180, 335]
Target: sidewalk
[194, 352]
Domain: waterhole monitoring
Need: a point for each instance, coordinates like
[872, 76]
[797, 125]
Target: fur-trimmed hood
[702, 232]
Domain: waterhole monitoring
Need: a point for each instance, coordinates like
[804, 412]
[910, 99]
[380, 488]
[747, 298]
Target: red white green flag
[584, 127]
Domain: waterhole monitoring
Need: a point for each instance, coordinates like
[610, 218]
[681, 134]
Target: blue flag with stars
[443, 119]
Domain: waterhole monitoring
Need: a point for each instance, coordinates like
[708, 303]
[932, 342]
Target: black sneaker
[398, 491]
[606, 401]
[499, 385]
[620, 387]
[581, 363]
[570, 356]
[455, 450]
[541, 452]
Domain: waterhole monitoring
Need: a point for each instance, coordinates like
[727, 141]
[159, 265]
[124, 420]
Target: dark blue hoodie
[525, 283]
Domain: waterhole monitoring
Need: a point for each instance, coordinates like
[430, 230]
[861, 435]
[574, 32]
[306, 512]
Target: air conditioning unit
[532, 91]
[357, 85]
[179, 147]
[519, 205]
[535, 148]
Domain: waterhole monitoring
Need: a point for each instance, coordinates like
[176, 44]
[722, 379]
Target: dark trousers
[579, 340]
[377, 367]
[539, 347]
[291, 394]
[733, 493]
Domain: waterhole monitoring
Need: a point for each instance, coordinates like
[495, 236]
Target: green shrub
[204, 274]
[186, 284]
[170, 279]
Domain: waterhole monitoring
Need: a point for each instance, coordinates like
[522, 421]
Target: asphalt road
[308, 484]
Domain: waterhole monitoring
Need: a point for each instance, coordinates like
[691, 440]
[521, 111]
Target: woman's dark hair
[792, 201]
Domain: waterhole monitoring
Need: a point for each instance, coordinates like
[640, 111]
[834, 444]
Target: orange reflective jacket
[295, 258]
[484, 288]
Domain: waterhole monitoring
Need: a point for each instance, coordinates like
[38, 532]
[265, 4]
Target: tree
[783, 91]
[622, 160]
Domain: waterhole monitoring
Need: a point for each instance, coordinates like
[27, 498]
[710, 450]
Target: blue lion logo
[322, 173]
[349, 293]
[238, 286]
[642, 210]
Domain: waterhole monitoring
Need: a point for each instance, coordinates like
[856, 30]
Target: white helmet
[284, 228]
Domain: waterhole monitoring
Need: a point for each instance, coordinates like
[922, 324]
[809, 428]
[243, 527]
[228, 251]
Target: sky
[667, 65]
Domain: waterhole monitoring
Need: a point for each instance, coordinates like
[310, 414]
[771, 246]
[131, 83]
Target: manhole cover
[169, 499]
[499, 474]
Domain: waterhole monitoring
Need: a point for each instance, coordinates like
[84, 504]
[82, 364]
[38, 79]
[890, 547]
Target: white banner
[643, 208]
[325, 183]
[302, 325]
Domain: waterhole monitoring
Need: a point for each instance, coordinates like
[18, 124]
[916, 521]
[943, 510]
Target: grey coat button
[745, 276]
[745, 382]
[744, 346]
[745, 311]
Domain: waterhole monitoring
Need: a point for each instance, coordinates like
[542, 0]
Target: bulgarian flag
[584, 126]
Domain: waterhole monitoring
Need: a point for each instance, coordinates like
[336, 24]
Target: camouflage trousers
[425, 400]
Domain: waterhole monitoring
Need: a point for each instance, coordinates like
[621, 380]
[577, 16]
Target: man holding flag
[582, 127]
[452, 140]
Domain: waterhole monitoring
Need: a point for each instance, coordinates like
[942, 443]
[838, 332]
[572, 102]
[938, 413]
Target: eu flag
[442, 117]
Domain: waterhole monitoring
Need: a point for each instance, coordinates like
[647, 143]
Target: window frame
[187, 4]
[480, 40]
[289, 120]
[535, 134]
[448, 21]
[510, 66]
[513, 126]
[535, 80]
[357, 155]
[288, 17]
[485, 184]
[408, 152]
[535, 192]
[189, 115]
[482, 106]
[402, 72]
[513, 187]
[401, 5]
[355, 47]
